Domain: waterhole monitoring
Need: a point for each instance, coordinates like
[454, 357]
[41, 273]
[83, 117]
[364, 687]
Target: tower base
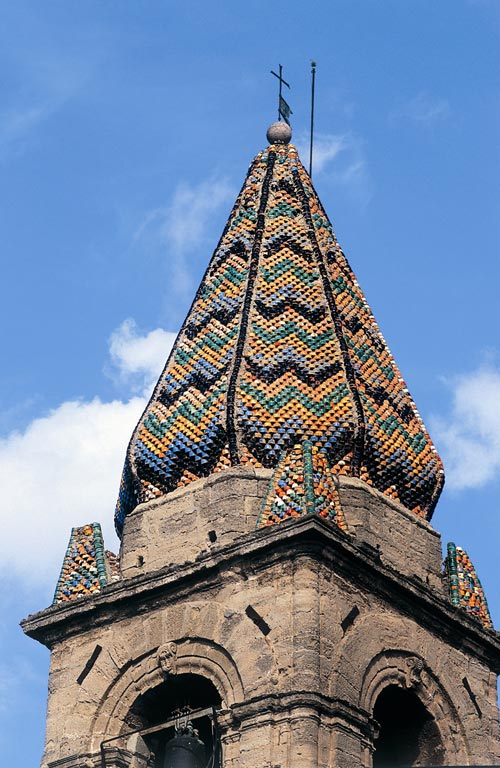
[312, 643]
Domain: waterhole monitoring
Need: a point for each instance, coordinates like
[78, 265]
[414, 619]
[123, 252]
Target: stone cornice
[309, 537]
[267, 707]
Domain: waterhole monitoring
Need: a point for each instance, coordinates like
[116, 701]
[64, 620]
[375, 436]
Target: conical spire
[279, 346]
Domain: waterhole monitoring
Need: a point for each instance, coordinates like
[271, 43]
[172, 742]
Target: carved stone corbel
[415, 667]
[167, 658]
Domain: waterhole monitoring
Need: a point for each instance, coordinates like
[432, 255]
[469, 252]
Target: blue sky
[125, 132]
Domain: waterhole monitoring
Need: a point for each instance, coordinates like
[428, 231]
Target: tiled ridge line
[359, 440]
[252, 274]
[307, 463]
[453, 574]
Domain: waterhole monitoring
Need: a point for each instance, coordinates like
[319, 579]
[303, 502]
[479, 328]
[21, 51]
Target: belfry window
[408, 734]
[174, 726]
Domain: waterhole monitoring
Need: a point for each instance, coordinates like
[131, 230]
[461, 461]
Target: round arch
[408, 672]
[194, 656]
[407, 734]
[382, 650]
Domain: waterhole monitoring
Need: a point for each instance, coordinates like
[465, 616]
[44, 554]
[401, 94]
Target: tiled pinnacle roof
[280, 345]
[83, 570]
[464, 586]
[302, 484]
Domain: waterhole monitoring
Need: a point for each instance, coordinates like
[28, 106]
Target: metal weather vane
[284, 110]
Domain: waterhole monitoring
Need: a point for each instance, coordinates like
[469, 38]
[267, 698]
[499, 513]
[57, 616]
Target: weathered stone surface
[268, 617]
[179, 527]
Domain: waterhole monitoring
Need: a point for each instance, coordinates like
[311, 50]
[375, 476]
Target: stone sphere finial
[279, 133]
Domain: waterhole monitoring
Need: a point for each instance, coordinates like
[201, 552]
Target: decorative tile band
[465, 589]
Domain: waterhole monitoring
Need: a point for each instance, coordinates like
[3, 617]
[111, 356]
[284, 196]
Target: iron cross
[280, 98]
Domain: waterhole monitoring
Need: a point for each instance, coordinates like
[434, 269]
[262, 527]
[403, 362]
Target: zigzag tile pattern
[397, 455]
[302, 483]
[182, 434]
[465, 589]
[279, 347]
[292, 383]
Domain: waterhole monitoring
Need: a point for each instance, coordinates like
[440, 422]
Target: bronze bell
[185, 750]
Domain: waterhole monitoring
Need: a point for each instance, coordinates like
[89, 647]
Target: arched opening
[157, 705]
[408, 733]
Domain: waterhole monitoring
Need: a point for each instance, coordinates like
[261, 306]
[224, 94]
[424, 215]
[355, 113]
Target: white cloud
[138, 359]
[183, 226]
[64, 469]
[326, 148]
[339, 158]
[188, 214]
[469, 439]
[423, 109]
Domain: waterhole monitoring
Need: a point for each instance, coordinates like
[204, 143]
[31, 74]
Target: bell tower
[279, 598]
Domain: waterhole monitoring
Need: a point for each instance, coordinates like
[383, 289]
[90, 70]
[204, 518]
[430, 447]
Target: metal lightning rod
[313, 76]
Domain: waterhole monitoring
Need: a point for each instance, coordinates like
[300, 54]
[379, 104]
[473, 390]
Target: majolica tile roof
[464, 586]
[302, 484]
[280, 346]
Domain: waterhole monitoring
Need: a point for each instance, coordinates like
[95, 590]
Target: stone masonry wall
[302, 692]
[180, 527]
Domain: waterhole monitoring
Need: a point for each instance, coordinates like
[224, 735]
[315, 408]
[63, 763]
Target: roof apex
[279, 346]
